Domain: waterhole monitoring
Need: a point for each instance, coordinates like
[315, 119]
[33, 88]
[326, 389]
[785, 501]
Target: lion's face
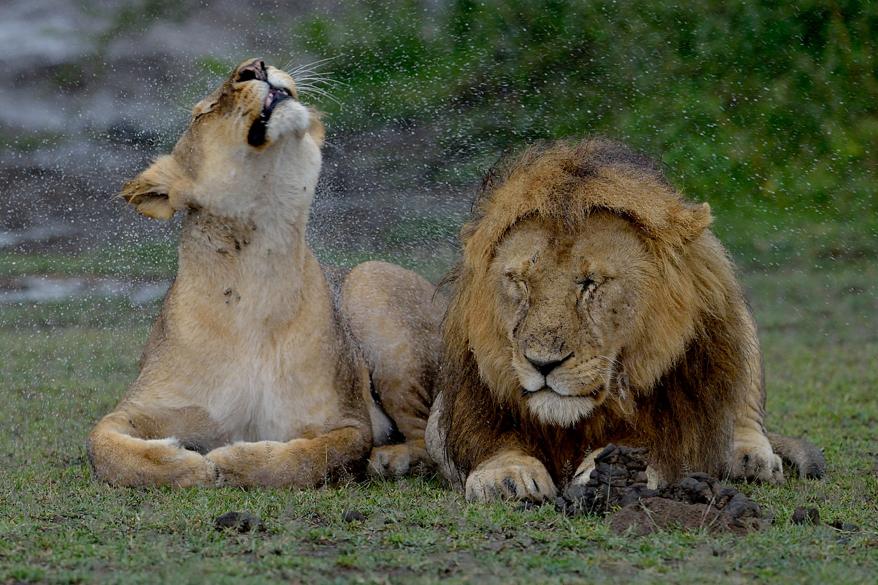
[568, 303]
[248, 138]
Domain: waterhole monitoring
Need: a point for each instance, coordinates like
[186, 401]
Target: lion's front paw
[583, 472]
[510, 476]
[756, 462]
[618, 457]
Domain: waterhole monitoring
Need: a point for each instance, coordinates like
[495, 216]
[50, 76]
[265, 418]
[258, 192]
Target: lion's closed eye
[589, 284]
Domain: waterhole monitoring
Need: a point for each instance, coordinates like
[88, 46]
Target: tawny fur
[260, 370]
[581, 260]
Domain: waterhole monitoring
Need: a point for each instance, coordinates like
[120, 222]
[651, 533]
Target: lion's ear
[693, 220]
[153, 191]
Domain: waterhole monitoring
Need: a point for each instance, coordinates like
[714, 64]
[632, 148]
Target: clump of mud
[618, 487]
[239, 522]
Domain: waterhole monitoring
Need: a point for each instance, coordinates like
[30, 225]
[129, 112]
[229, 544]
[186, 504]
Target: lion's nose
[545, 367]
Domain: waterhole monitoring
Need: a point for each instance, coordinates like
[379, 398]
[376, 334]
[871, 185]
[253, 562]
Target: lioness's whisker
[319, 92]
[311, 66]
[317, 79]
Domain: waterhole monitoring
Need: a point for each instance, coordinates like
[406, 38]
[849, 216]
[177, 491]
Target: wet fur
[257, 371]
[692, 366]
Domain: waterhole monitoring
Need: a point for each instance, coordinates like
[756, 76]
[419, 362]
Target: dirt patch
[617, 487]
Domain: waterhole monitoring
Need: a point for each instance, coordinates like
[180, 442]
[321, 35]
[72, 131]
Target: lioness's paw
[756, 462]
[200, 472]
[510, 477]
[245, 464]
[390, 460]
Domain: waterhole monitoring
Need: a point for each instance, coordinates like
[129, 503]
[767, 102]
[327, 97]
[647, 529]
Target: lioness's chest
[276, 395]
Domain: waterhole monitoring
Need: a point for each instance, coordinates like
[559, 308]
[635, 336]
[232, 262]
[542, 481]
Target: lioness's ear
[693, 220]
[153, 191]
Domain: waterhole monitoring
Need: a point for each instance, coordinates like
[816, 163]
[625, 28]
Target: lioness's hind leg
[119, 456]
[299, 463]
[395, 319]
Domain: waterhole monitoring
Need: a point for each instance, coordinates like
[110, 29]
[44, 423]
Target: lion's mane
[684, 367]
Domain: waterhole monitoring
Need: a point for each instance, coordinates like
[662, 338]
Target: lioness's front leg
[121, 457]
[511, 474]
[301, 463]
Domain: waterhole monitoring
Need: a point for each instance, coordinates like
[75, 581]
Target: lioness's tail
[807, 458]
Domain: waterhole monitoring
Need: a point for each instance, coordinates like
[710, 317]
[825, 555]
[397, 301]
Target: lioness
[593, 305]
[257, 371]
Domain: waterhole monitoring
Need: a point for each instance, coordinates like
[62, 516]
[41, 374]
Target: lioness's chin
[565, 411]
[290, 118]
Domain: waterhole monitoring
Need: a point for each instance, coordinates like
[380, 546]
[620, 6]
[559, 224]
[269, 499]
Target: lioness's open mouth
[256, 135]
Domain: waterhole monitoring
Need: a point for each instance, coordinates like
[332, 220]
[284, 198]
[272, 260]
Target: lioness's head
[573, 286]
[250, 139]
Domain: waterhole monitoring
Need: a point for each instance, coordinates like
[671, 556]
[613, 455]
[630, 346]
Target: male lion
[257, 371]
[593, 305]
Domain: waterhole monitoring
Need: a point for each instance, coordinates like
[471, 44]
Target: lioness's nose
[545, 367]
[255, 69]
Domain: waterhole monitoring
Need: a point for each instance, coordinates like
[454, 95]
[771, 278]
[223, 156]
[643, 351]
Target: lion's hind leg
[121, 456]
[395, 319]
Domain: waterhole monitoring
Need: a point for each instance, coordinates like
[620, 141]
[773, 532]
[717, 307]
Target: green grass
[756, 107]
[820, 337]
[136, 261]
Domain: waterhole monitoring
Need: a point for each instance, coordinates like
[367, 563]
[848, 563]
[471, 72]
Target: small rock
[240, 522]
[806, 516]
[844, 526]
[353, 516]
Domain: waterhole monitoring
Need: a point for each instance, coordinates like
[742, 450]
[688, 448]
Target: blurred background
[768, 111]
